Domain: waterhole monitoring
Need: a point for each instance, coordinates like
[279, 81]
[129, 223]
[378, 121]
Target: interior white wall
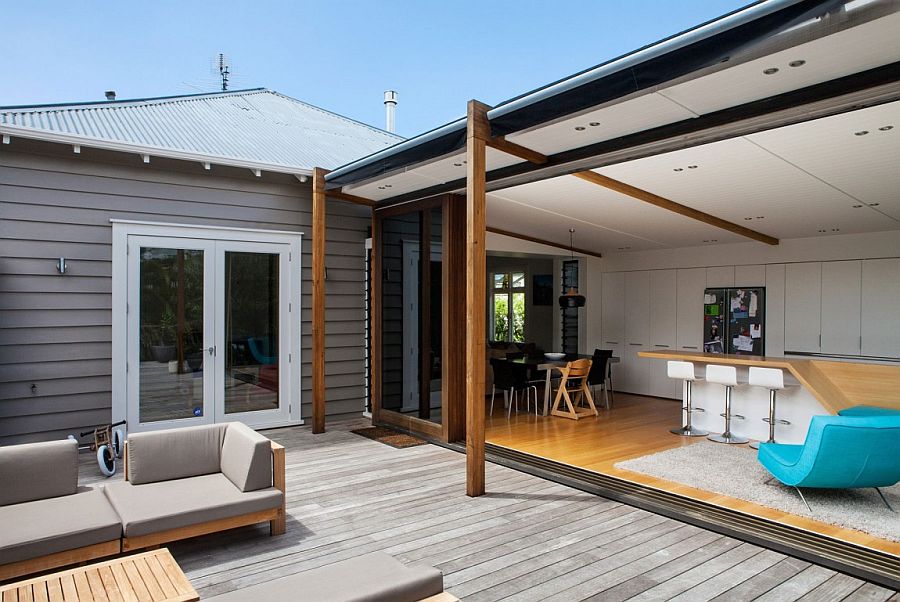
[741, 264]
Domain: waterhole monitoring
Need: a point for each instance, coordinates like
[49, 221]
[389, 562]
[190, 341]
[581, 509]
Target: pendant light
[571, 298]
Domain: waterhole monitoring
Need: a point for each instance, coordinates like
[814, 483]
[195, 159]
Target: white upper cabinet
[803, 307]
[747, 276]
[690, 284]
[663, 299]
[637, 308]
[841, 283]
[612, 327]
[720, 277]
[881, 307]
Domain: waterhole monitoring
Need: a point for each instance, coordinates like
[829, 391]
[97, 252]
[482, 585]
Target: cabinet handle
[612, 342]
[636, 344]
[688, 346]
[666, 346]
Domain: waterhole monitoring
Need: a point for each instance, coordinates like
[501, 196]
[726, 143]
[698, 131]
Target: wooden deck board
[527, 539]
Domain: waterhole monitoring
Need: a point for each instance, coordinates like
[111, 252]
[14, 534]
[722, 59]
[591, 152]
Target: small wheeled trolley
[108, 443]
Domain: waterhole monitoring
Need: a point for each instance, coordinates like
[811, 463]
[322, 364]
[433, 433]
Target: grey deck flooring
[527, 539]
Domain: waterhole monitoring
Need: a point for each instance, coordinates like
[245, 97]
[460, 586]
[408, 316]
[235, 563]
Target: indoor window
[508, 306]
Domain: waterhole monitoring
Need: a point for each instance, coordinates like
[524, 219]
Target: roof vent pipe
[390, 106]
[110, 95]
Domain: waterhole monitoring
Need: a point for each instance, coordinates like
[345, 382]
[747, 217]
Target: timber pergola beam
[634, 192]
[541, 241]
[664, 203]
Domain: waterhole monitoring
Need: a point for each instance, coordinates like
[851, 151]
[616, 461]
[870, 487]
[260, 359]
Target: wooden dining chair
[574, 382]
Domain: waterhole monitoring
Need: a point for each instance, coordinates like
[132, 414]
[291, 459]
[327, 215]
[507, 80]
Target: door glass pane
[251, 331]
[171, 334]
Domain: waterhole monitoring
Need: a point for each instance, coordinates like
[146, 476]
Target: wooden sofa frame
[275, 516]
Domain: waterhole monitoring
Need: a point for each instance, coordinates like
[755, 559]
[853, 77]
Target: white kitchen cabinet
[774, 309]
[612, 310]
[720, 277]
[803, 307]
[841, 304]
[637, 307]
[634, 371]
[880, 323]
[748, 276]
[690, 284]
[663, 301]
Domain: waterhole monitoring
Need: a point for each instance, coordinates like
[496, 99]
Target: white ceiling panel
[866, 167]
[615, 219]
[850, 51]
[422, 176]
[737, 179]
[635, 115]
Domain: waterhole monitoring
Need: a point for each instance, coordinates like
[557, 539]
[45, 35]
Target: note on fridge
[754, 304]
[743, 343]
[755, 331]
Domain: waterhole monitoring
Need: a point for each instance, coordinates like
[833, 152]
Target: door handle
[211, 350]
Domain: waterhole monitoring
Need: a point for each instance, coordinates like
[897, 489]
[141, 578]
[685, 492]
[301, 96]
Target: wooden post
[477, 133]
[453, 315]
[318, 300]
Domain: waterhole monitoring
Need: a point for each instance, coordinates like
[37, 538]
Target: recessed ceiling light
[388, 185]
[885, 128]
[861, 133]
[771, 71]
[760, 217]
[835, 229]
[594, 124]
[457, 165]
[857, 206]
[823, 230]
[797, 63]
[579, 128]
[692, 167]
[381, 188]
[678, 169]
[748, 218]
[874, 204]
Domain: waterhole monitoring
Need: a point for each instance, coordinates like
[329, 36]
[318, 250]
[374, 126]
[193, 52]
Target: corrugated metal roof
[257, 125]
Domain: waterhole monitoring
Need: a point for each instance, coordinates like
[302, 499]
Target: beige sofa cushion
[56, 524]
[374, 577]
[35, 471]
[246, 458]
[175, 453]
[164, 505]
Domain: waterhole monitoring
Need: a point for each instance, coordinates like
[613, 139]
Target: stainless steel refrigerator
[734, 321]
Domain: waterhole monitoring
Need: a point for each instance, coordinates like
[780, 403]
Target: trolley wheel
[106, 460]
[118, 442]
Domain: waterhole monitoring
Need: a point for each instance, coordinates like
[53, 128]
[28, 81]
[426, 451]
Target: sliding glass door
[210, 336]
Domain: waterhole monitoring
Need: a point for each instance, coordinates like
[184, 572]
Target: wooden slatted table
[148, 577]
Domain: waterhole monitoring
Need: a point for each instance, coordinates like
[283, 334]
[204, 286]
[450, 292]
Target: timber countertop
[837, 385]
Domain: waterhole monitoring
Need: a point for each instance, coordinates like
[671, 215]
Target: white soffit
[605, 220]
[853, 50]
[425, 175]
[737, 179]
[866, 167]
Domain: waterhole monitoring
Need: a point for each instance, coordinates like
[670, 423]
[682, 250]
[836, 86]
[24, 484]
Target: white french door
[212, 329]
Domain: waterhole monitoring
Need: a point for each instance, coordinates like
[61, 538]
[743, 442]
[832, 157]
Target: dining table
[547, 366]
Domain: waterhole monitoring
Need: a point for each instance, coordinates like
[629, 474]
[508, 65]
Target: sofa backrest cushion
[175, 453]
[35, 471]
[246, 458]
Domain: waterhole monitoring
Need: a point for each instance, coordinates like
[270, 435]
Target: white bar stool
[685, 371]
[773, 380]
[727, 376]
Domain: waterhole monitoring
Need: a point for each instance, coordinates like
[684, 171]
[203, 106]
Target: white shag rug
[734, 471]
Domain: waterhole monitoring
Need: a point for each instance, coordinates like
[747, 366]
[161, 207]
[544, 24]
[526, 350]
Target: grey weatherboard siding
[55, 331]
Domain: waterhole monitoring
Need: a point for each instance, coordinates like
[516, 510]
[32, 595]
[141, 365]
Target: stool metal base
[689, 431]
[728, 438]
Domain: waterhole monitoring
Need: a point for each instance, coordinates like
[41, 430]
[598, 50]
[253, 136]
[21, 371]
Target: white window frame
[508, 291]
[122, 229]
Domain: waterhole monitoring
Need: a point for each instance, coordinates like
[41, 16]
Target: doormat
[389, 437]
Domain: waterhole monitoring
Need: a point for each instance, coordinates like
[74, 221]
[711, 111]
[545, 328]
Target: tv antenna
[223, 72]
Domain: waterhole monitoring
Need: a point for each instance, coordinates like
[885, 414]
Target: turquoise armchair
[858, 448]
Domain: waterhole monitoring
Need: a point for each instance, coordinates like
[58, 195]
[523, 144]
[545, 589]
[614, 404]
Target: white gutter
[14, 131]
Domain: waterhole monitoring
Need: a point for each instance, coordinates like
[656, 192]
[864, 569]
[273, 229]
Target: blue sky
[339, 54]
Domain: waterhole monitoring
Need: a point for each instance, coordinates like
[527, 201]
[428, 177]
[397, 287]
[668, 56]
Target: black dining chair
[601, 373]
[512, 379]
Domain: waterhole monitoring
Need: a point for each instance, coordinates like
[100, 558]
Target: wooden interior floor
[636, 426]
[526, 539]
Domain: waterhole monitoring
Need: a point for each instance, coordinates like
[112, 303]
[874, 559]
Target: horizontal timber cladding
[55, 331]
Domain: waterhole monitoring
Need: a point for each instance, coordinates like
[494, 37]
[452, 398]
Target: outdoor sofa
[374, 577]
[46, 519]
[190, 481]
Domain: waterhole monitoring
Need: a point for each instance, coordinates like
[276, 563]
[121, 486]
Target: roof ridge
[132, 101]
